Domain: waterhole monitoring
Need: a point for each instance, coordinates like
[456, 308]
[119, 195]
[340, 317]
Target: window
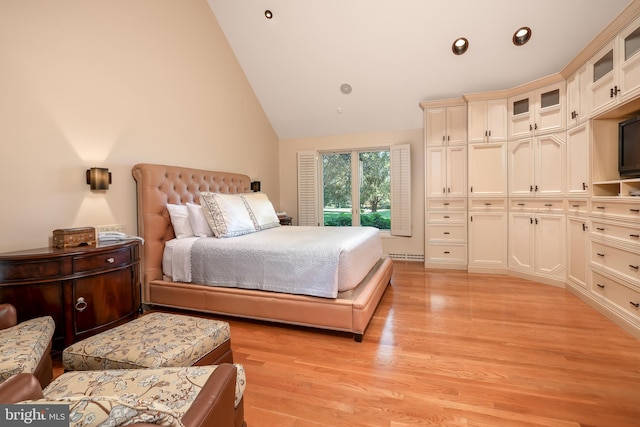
[356, 178]
[376, 181]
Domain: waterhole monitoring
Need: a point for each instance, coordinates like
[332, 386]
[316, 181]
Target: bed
[159, 185]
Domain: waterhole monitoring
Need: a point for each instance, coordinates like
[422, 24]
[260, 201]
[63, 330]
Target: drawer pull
[634, 210]
[600, 286]
[635, 267]
[446, 232]
[446, 217]
[635, 304]
[487, 204]
[599, 207]
[81, 304]
[111, 260]
[599, 254]
[599, 228]
[520, 204]
[446, 252]
[634, 235]
[548, 204]
[575, 206]
[446, 204]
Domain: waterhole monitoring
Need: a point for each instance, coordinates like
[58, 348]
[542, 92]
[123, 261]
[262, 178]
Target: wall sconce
[99, 178]
[255, 185]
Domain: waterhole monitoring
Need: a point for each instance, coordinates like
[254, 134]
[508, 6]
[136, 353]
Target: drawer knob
[111, 260]
[600, 286]
[81, 304]
[635, 304]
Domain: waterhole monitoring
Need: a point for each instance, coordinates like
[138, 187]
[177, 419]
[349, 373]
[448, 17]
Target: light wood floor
[447, 348]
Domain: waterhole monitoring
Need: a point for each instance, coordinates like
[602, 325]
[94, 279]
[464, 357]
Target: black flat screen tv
[629, 148]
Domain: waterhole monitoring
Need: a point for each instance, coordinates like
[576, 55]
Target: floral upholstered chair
[25, 346]
[194, 396]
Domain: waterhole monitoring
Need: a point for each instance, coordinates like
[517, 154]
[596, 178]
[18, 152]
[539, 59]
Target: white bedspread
[316, 261]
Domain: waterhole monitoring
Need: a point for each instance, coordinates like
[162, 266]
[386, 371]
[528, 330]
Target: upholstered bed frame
[157, 185]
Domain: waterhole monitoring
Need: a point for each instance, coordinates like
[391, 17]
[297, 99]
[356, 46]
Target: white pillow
[198, 221]
[227, 214]
[180, 221]
[261, 210]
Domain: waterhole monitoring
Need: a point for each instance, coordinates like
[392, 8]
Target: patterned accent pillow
[226, 214]
[261, 210]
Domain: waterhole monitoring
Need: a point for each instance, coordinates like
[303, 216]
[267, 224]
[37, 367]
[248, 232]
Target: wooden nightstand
[86, 290]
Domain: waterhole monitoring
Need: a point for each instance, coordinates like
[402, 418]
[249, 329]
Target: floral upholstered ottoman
[154, 340]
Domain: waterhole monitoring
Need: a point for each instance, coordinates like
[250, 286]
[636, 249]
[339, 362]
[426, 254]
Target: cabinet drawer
[618, 260]
[621, 233]
[101, 261]
[456, 254]
[14, 271]
[449, 204]
[447, 233]
[447, 217]
[625, 210]
[624, 297]
[537, 205]
[484, 205]
[578, 207]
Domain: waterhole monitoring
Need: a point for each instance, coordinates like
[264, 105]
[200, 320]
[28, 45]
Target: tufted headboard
[157, 185]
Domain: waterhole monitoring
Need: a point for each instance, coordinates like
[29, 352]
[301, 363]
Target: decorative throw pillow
[198, 221]
[180, 220]
[227, 214]
[261, 210]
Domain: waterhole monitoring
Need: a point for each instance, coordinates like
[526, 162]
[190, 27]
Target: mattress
[315, 261]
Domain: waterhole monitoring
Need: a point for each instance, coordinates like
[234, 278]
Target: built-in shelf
[616, 188]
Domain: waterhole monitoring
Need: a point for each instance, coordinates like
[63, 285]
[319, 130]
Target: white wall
[288, 176]
[111, 84]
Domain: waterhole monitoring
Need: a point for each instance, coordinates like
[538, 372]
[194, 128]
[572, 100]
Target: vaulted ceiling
[395, 54]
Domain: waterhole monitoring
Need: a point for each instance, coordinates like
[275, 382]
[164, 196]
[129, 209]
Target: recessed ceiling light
[268, 14]
[521, 36]
[346, 88]
[460, 46]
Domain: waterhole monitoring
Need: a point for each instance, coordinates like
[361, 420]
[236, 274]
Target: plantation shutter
[400, 190]
[307, 188]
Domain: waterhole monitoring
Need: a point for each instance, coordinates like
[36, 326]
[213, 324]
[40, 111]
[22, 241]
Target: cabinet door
[577, 98]
[629, 61]
[108, 298]
[488, 239]
[550, 169]
[577, 251]
[602, 78]
[435, 126]
[488, 169]
[457, 125]
[549, 109]
[550, 244]
[456, 171]
[478, 131]
[520, 116]
[520, 160]
[578, 160]
[497, 120]
[521, 240]
[436, 172]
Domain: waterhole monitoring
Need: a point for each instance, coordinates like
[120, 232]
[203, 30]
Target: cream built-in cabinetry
[543, 197]
[614, 72]
[537, 112]
[445, 183]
